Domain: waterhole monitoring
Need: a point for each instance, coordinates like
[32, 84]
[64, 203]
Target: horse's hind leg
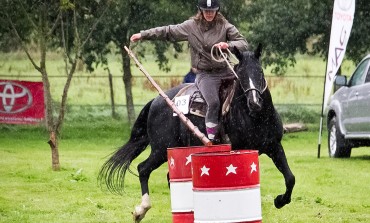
[278, 157]
[155, 160]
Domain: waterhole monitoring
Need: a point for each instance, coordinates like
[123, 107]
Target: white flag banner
[343, 14]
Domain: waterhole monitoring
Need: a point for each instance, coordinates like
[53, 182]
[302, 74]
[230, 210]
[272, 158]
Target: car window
[359, 75]
[368, 77]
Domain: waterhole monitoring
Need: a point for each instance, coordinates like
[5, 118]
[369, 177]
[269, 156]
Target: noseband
[245, 92]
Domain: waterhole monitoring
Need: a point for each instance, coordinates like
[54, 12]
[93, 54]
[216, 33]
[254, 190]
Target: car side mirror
[340, 81]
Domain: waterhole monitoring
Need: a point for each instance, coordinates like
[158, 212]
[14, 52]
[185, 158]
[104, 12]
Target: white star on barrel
[188, 160]
[172, 162]
[253, 167]
[204, 170]
[231, 169]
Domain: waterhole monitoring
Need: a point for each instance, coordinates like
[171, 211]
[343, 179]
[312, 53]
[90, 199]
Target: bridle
[225, 59]
[260, 92]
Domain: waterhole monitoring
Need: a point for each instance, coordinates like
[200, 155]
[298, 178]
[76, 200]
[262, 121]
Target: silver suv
[348, 116]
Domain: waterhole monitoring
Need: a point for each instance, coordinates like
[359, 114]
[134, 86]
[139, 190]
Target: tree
[46, 20]
[286, 27]
[7, 42]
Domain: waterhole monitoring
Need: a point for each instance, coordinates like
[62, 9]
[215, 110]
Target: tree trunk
[50, 123]
[127, 76]
[53, 138]
[53, 142]
[113, 105]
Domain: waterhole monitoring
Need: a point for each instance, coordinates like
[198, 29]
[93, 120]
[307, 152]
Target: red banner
[21, 102]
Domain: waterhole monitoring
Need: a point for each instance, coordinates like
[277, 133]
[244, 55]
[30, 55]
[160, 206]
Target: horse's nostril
[254, 106]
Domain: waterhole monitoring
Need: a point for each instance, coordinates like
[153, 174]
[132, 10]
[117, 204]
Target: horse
[251, 123]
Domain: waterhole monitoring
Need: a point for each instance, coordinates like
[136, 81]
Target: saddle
[197, 104]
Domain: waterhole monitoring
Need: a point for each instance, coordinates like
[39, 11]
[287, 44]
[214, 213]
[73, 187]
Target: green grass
[327, 190]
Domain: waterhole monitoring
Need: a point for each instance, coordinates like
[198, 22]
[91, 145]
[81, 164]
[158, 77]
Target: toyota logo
[345, 5]
[14, 98]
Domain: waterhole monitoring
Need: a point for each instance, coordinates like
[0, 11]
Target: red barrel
[226, 187]
[180, 173]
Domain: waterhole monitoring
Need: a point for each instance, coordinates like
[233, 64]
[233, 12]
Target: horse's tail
[113, 171]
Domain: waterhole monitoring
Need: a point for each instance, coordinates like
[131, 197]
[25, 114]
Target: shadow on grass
[364, 157]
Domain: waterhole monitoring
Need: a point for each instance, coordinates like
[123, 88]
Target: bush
[298, 113]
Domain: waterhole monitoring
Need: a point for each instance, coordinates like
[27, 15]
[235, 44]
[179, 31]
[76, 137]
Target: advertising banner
[21, 102]
[343, 14]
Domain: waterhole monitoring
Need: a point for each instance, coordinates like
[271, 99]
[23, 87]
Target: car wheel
[337, 145]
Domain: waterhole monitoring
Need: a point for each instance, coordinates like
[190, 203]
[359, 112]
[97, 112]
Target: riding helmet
[209, 5]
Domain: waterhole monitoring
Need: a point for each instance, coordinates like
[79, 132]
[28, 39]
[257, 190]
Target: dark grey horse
[252, 123]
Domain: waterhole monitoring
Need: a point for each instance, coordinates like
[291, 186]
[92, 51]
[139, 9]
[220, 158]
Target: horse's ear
[258, 51]
[238, 54]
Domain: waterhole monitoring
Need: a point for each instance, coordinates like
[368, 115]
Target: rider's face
[209, 15]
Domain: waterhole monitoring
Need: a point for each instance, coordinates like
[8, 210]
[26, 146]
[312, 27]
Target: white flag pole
[343, 14]
[321, 117]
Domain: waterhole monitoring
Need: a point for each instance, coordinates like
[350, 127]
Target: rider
[206, 29]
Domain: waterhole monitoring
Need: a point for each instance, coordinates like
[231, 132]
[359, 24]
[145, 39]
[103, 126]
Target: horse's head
[251, 77]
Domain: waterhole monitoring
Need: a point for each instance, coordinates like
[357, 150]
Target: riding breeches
[209, 85]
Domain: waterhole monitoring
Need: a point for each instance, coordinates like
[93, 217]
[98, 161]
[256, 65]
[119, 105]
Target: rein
[224, 59]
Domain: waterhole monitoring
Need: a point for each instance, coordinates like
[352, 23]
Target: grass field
[327, 190]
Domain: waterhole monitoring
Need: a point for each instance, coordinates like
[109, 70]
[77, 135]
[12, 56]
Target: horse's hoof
[137, 217]
[280, 202]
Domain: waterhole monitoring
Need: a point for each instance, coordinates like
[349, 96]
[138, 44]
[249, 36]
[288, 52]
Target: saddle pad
[197, 104]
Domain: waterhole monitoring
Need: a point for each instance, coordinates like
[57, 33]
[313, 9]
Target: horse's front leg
[277, 155]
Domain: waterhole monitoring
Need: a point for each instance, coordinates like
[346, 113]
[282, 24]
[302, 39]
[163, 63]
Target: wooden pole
[182, 117]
